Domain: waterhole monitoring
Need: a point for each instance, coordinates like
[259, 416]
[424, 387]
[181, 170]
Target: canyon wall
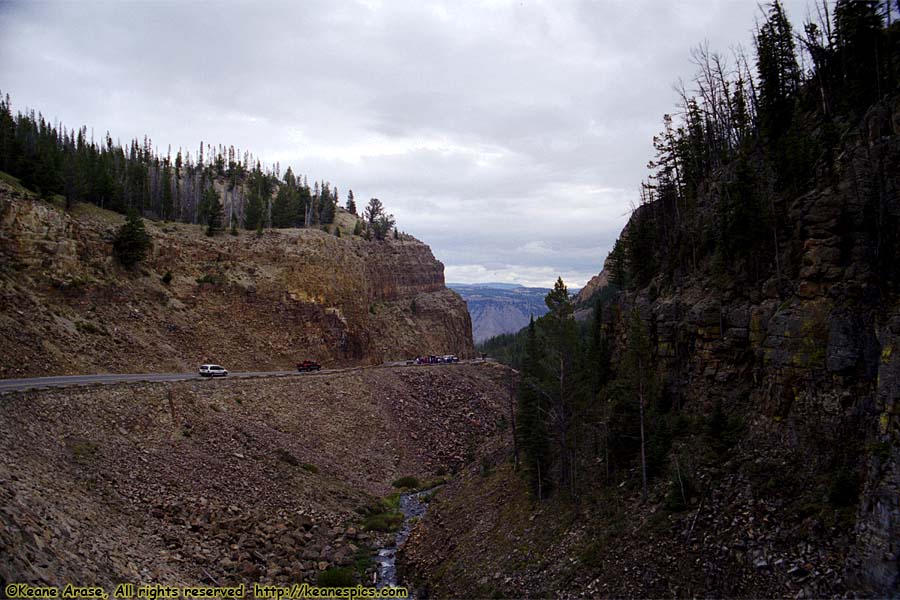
[248, 302]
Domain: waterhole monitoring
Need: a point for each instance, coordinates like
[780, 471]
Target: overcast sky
[510, 136]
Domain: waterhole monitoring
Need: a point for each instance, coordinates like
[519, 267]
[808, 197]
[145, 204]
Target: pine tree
[640, 378]
[779, 74]
[531, 422]
[131, 242]
[285, 210]
[858, 32]
[561, 351]
[167, 208]
[618, 275]
[351, 203]
[374, 210]
[215, 212]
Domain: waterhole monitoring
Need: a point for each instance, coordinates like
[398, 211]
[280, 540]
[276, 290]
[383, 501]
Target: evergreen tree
[215, 212]
[131, 242]
[379, 223]
[259, 191]
[327, 205]
[640, 381]
[167, 211]
[286, 208]
[351, 203]
[374, 210]
[561, 385]
[857, 30]
[779, 74]
[382, 226]
[531, 420]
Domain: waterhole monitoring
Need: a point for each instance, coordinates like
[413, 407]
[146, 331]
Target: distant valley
[498, 308]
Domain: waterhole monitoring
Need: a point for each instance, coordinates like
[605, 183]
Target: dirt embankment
[249, 302]
[225, 480]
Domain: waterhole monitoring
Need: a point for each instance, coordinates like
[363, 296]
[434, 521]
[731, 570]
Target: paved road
[19, 385]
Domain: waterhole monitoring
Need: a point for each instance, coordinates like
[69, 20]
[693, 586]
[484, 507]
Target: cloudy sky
[510, 136]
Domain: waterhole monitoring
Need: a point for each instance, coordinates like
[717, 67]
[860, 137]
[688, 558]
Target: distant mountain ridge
[498, 308]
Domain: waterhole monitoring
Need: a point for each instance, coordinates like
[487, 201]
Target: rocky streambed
[413, 505]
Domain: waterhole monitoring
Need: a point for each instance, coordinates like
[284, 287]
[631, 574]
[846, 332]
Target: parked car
[212, 371]
[308, 365]
[451, 358]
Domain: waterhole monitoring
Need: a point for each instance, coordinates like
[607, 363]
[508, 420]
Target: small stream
[413, 507]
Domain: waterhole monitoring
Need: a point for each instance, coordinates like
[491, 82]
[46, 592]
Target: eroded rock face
[247, 302]
[814, 355]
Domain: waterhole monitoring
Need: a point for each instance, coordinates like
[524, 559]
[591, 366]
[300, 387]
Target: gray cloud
[511, 136]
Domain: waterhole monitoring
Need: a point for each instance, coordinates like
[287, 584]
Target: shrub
[167, 278]
[84, 450]
[309, 468]
[211, 279]
[844, 488]
[385, 521]
[679, 494]
[88, 327]
[335, 577]
[722, 431]
[406, 482]
[285, 456]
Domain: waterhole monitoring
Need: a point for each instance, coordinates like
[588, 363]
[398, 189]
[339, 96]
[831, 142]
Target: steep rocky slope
[247, 301]
[229, 480]
[805, 503]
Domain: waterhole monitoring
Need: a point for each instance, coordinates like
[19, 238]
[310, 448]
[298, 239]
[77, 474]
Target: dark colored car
[308, 365]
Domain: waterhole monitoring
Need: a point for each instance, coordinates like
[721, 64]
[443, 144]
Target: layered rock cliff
[249, 302]
[809, 355]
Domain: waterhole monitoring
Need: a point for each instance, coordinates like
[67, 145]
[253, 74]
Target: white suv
[212, 371]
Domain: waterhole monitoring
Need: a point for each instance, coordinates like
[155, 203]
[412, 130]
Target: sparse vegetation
[90, 328]
[286, 457]
[408, 482]
[216, 279]
[335, 577]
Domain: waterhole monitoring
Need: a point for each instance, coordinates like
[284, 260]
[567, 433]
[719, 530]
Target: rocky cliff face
[810, 355]
[247, 302]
